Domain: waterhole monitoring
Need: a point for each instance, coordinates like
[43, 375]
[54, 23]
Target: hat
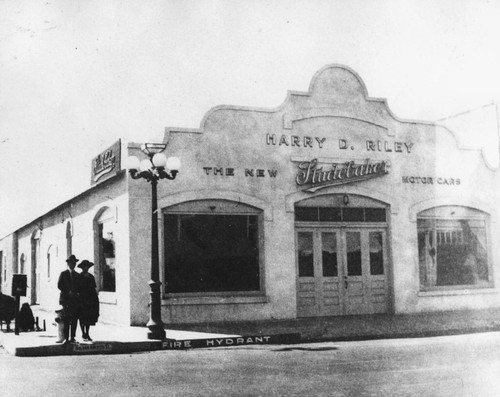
[85, 263]
[72, 258]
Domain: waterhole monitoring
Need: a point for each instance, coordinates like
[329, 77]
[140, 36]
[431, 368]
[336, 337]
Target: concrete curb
[81, 349]
[114, 347]
[13, 346]
[403, 335]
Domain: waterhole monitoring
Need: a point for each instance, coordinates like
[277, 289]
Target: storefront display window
[452, 248]
[207, 253]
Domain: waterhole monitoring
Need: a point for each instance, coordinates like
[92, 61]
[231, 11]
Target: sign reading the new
[106, 164]
[311, 174]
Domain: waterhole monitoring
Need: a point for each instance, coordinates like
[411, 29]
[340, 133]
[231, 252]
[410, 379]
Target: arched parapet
[336, 79]
[336, 91]
[226, 195]
[479, 204]
[342, 81]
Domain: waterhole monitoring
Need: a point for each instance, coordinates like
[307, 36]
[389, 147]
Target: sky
[75, 76]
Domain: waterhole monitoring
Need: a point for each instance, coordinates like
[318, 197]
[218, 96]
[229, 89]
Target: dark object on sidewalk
[19, 284]
[37, 325]
[25, 318]
[60, 326]
[7, 310]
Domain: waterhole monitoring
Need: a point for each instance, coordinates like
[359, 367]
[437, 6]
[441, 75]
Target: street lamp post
[152, 169]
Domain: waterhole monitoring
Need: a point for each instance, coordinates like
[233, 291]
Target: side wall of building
[44, 245]
[8, 265]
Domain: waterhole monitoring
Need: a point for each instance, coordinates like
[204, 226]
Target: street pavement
[447, 366]
[113, 338]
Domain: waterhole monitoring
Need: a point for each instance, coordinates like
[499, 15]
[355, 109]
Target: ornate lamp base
[158, 333]
[155, 325]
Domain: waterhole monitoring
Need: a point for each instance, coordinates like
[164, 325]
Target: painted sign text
[248, 172]
[427, 180]
[310, 173]
[320, 142]
[230, 341]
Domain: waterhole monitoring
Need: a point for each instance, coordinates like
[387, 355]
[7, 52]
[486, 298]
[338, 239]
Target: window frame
[214, 207]
[52, 253]
[469, 214]
[104, 215]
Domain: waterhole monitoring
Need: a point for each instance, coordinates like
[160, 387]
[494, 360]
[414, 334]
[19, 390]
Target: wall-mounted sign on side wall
[311, 174]
[106, 164]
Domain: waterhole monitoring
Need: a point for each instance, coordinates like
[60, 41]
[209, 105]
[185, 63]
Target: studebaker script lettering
[310, 173]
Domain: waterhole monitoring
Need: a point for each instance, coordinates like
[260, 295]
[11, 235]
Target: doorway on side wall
[35, 260]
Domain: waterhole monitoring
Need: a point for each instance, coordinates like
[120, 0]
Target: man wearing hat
[69, 284]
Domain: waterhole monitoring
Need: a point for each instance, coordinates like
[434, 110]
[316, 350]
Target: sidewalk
[107, 339]
[365, 327]
[110, 338]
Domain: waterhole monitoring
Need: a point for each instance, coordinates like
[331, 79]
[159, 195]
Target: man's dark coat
[69, 285]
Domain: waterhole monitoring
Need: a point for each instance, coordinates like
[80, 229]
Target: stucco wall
[335, 120]
[252, 156]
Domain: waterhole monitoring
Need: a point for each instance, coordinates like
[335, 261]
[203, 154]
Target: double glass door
[341, 271]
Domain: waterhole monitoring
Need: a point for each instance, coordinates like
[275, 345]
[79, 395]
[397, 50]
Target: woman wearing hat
[89, 309]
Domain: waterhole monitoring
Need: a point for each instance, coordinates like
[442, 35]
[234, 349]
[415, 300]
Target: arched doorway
[35, 260]
[342, 256]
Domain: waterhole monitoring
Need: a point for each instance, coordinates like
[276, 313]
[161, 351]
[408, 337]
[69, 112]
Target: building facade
[328, 205]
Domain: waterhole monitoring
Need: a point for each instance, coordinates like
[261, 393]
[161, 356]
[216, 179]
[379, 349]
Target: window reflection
[107, 262]
[305, 251]
[211, 253]
[452, 252]
[353, 240]
[376, 253]
[329, 254]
